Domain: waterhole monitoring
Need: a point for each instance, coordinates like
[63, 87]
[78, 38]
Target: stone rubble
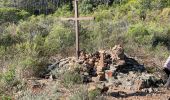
[112, 67]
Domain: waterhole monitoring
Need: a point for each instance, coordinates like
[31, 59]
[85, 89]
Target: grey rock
[150, 90]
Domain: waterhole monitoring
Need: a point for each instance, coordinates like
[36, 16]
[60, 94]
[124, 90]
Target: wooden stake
[77, 19]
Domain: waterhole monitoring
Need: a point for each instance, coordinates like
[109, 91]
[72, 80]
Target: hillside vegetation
[27, 41]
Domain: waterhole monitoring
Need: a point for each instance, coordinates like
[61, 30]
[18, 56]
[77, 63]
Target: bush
[165, 13]
[83, 94]
[59, 40]
[9, 76]
[5, 97]
[161, 39]
[63, 11]
[160, 36]
[145, 4]
[151, 34]
[8, 81]
[33, 26]
[159, 4]
[71, 78]
[103, 15]
[31, 67]
[86, 6]
[9, 39]
[2, 51]
[151, 70]
[26, 59]
[12, 15]
[93, 94]
[139, 34]
[102, 35]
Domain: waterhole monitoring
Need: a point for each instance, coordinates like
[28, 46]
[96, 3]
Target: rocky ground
[115, 75]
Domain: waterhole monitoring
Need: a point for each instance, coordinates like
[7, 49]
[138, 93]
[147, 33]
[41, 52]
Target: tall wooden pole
[77, 28]
[77, 19]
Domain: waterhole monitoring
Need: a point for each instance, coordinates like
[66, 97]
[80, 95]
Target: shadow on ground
[121, 94]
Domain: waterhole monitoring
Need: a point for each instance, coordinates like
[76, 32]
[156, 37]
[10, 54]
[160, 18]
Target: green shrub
[8, 80]
[145, 4]
[161, 52]
[159, 4]
[32, 66]
[103, 35]
[71, 78]
[9, 76]
[28, 60]
[161, 39]
[151, 70]
[9, 40]
[9, 35]
[161, 36]
[92, 95]
[86, 6]
[2, 51]
[63, 11]
[12, 15]
[59, 40]
[83, 94]
[165, 13]
[139, 33]
[35, 25]
[5, 97]
[103, 15]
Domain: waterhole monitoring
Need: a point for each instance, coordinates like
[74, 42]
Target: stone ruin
[111, 68]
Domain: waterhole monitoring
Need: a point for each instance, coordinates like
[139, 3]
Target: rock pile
[112, 67]
[126, 73]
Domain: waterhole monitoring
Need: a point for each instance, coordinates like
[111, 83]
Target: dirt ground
[112, 94]
[163, 94]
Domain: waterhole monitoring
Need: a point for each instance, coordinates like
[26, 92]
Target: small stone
[92, 87]
[150, 90]
[156, 89]
[108, 75]
[51, 78]
[86, 73]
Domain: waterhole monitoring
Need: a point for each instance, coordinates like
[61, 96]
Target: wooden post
[77, 19]
[77, 28]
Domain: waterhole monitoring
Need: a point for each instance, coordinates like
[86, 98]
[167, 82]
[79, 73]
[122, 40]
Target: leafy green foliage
[86, 6]
[63, 11]
[71, 78]
[84, 94]
[94, 93]
[4, 97]
[139, 34]
[12, 15]
[59, 39]
[9, 76]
